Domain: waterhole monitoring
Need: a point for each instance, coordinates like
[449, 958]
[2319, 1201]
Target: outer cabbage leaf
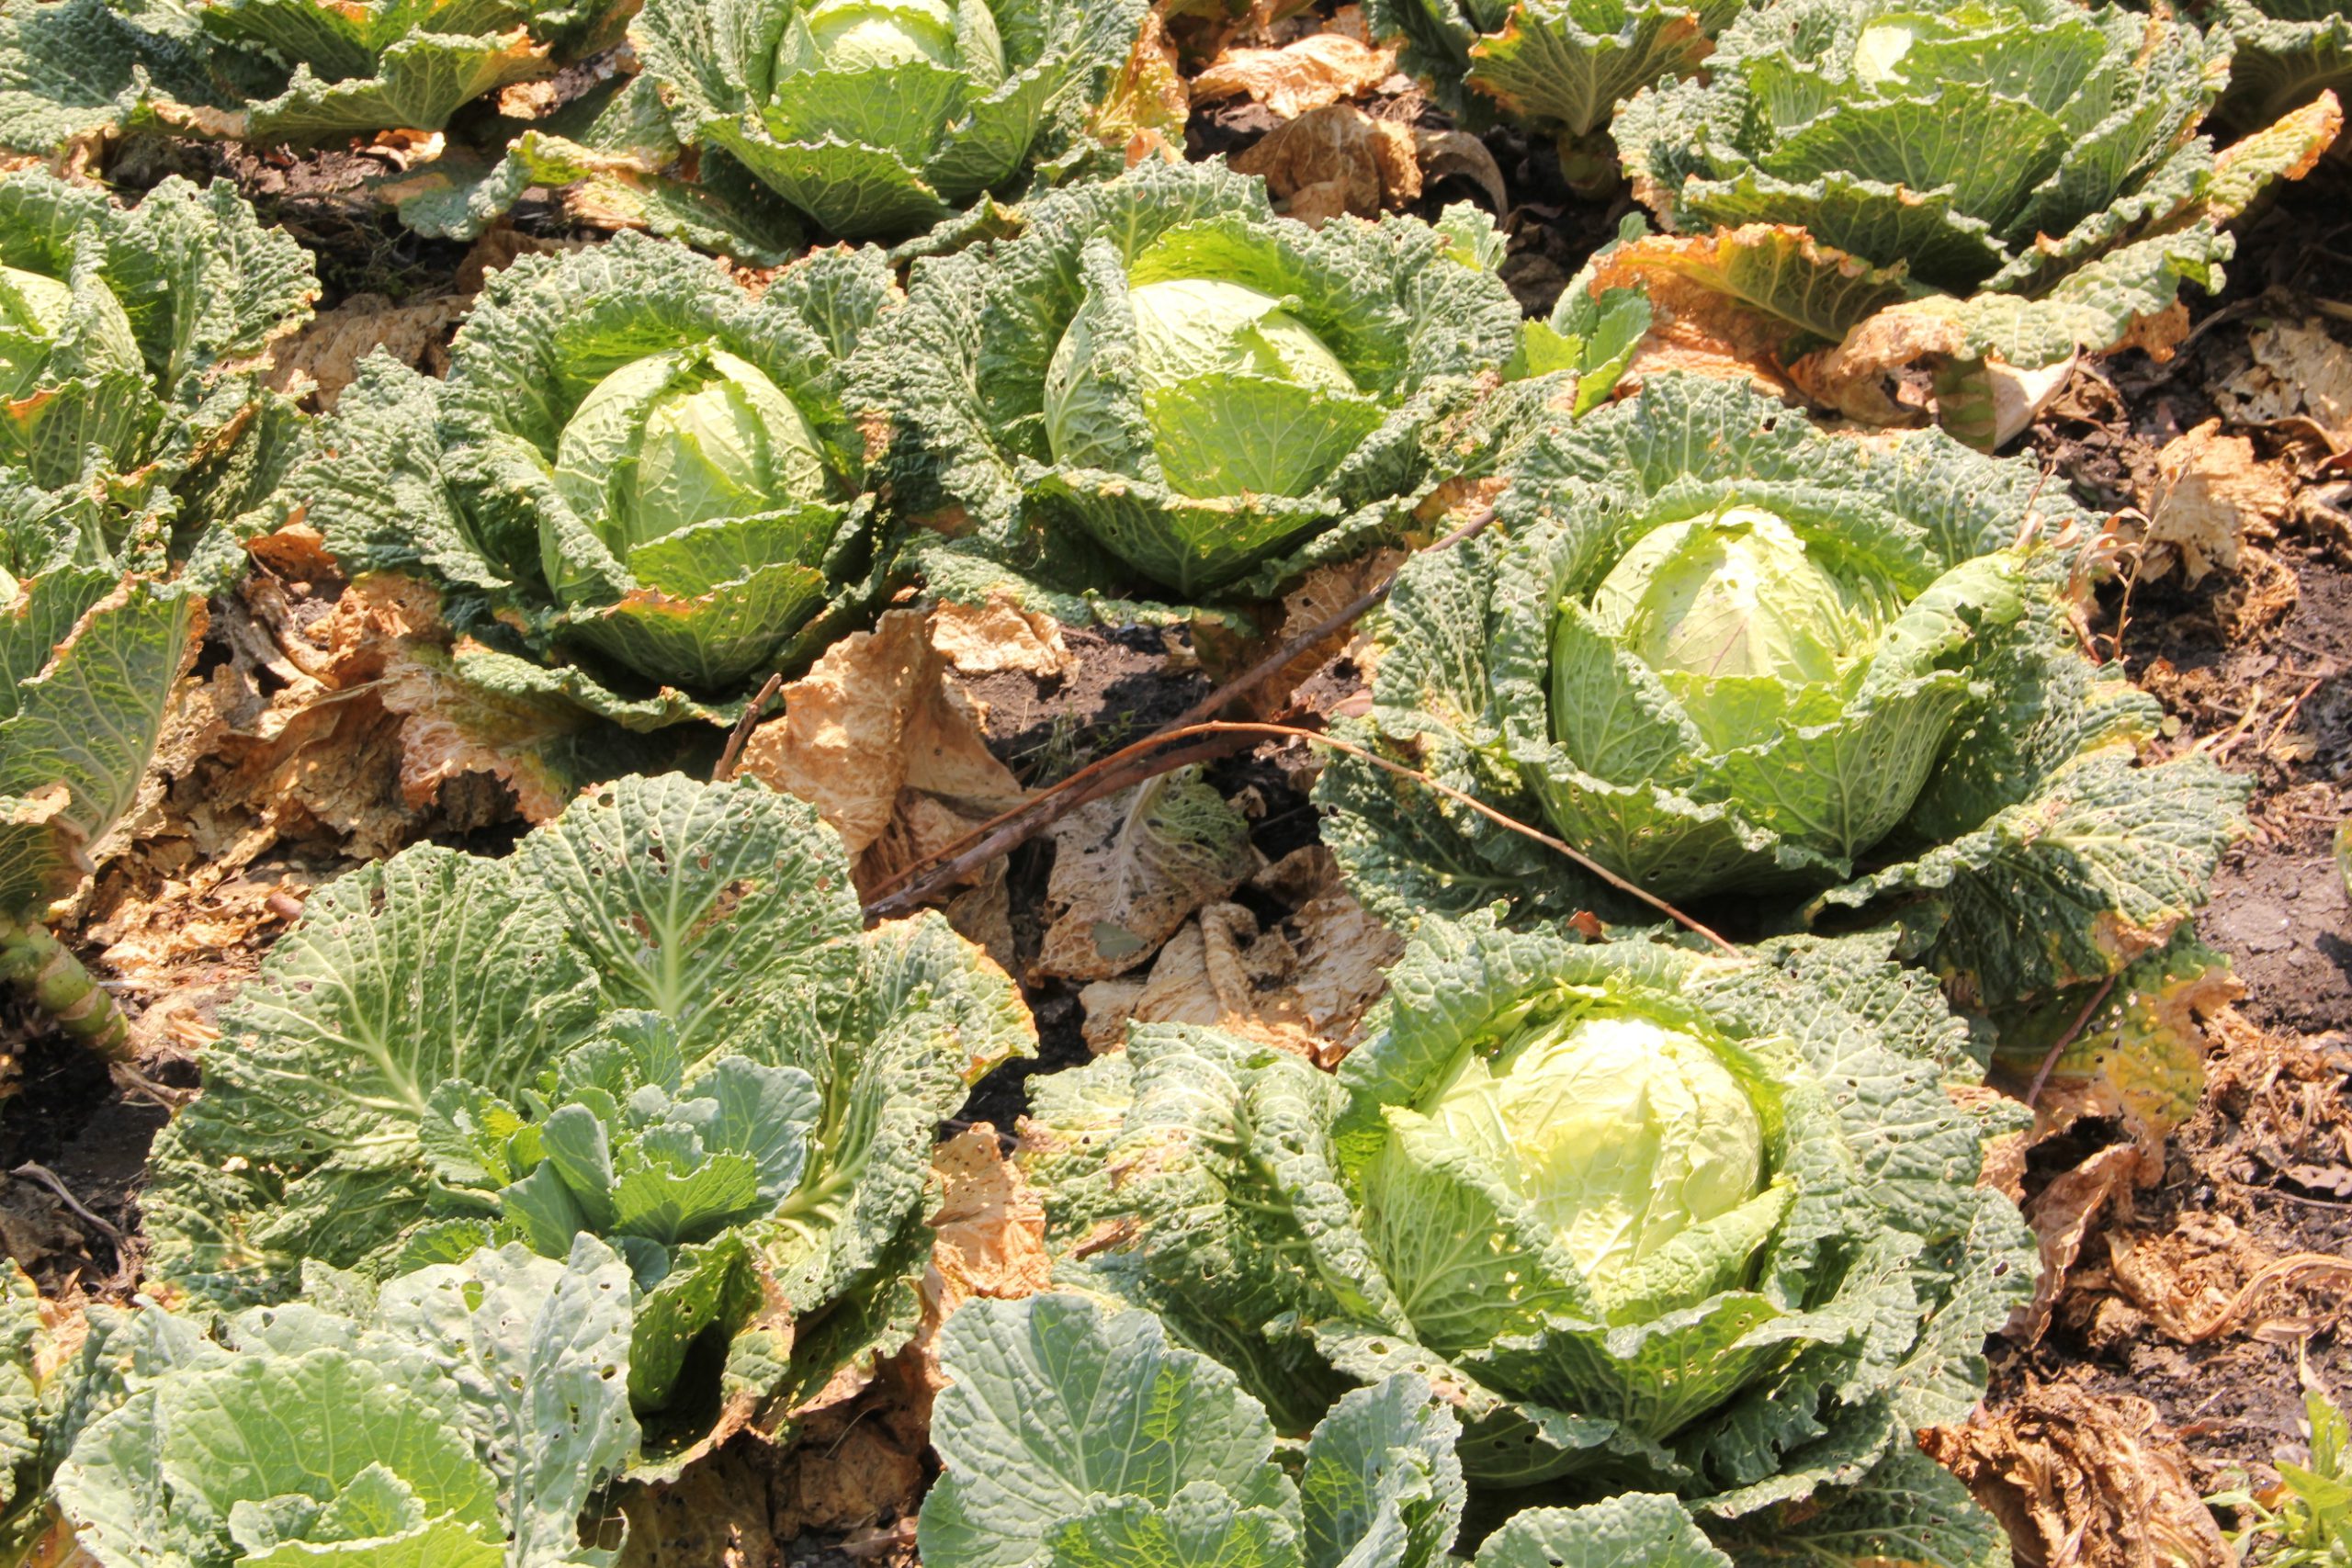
[978, 97]
[1409, 315]
[1072, 1434]
[466, 1418]
[2284, 54]
[1246, 1197]
[561, 621]
[1976, 766]
[658, 1021]
[2031, 172]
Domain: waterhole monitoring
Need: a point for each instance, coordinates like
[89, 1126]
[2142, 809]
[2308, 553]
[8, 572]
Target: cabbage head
[1775, 675]
[880, 118]
[639, 488]
[1560, 67]
[2016, 180]
[659, 1022]
[1652, 1220]
[1160, 388]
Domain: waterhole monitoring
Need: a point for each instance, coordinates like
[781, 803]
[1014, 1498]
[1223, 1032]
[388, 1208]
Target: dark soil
[2252, 665]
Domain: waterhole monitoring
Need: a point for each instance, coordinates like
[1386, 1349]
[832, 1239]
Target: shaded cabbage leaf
[1649, 1219]
[880, 118]
[285, 71]
[2284, 54]
[1160, 390]
[1730, 657]
[658, 1021]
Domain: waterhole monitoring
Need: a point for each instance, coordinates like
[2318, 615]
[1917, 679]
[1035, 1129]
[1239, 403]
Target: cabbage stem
[39, 966]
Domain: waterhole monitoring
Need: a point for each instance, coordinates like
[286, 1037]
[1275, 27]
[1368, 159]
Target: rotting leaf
[1319, 69]
[2213, 494]
[2081, 1480]
[1336, 160]
[1129, 868]
[1303, 985]
[886, 747]
[2061, 1215]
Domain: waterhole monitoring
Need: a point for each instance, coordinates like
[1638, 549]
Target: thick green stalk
[37, 965]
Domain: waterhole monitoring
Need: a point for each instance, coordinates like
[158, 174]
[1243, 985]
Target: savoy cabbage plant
[127, 334]
[1650, 1219]
[658, 1022]
[1558, 66]
[465, 1415]
[135, 446]
[639, 489]
[1159, 390]
[1957, 181]
[1730, 657]
[880, 118]
[284, 70]
[1070, 1433]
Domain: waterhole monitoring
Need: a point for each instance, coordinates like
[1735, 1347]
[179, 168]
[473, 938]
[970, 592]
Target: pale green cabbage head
[1237, 393]
[685, 438]
[1718, 604]
[861, 35]
[1618, 1133]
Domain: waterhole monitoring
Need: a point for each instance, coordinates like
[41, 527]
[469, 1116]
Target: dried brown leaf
[2061, 1215]
[1320, 69]
[2081, 1480]
[886, 747]
[1130, 868]
[2212, 496]
[2300, 372]
[1336, 160]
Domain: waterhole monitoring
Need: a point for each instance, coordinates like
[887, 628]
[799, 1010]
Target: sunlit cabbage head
[1238, 394]
[679, 438]
[1742, 618]
[870, 43]
[1620, 1133]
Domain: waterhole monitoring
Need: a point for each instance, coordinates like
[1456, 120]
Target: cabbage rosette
[1954, 181]
[302, 72]
[1560, 67]
[1651, 1219]
[880, 118]
[123, 334]
[660, 1023]
[466, 1415]
[1161, 390]
[638, 491]
[1732, 658]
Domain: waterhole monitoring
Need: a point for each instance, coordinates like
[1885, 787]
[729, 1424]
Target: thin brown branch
[743, 730]
[914, 885]
[2074, 1031]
